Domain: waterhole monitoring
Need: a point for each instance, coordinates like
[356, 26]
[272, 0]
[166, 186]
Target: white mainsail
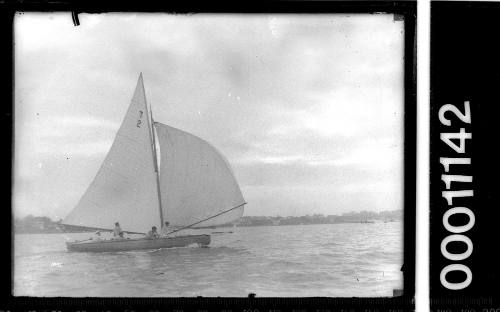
[125, 187]
[196, 181]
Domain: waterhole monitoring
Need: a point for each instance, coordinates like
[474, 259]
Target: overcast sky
[308, 109]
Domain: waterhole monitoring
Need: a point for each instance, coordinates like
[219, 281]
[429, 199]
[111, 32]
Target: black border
[403, 9]
[465, 66]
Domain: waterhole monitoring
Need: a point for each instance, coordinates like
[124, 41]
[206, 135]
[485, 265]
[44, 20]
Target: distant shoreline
[32, 233]
[43, 225]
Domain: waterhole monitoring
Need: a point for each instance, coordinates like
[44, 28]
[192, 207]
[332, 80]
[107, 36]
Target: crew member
[153, 233]
[97, 236]
[165, 229]
[117, 230]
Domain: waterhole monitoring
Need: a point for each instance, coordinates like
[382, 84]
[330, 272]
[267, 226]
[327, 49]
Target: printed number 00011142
[449, 195]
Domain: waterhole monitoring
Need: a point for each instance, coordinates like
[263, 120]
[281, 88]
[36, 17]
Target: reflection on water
[309, 260]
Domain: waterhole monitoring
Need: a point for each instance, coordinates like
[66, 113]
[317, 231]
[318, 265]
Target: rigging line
[185, 227]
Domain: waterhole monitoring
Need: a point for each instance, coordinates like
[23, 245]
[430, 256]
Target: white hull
[138, 244]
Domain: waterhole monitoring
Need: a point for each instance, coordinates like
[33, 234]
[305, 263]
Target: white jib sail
[124, 190]
[196, 180]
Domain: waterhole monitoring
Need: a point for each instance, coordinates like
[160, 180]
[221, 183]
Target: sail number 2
[139, 121]
[463, 120]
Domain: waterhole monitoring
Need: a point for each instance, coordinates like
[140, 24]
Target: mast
[156, 167]
[155, 159]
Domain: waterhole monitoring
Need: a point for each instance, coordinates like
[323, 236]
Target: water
[362, 260]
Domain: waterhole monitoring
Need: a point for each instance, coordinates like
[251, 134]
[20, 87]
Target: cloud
[65, 135]
[302, 106]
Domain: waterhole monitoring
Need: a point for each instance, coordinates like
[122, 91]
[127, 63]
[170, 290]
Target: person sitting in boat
[121, 235]
[153, 233]
[117, 230]
[165, 229]
[97, 236]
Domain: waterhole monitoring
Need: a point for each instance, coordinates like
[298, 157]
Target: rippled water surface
[304, 260]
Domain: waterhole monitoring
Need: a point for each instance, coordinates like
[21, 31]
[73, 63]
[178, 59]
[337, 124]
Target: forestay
[125, 188]
[196, 180]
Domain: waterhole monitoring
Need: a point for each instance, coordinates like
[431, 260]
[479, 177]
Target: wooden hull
[138, 244]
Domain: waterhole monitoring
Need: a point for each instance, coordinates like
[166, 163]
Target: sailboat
[184, 180]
